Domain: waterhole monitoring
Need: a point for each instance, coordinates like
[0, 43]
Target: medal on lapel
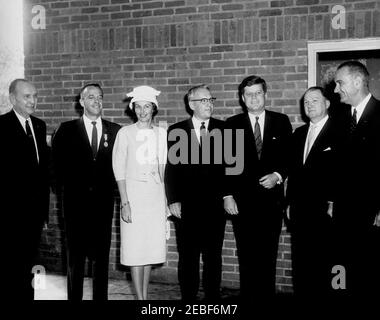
[105, 140]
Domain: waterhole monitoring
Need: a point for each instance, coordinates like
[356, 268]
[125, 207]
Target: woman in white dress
[139, 157]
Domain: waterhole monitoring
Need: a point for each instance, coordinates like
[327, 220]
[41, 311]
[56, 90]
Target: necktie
[31, 139]
[354, 121]
[310, 140]
[258, 141]
[94, 140]
[203, 132]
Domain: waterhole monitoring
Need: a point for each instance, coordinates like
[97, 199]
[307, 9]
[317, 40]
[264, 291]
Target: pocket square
[327, 149]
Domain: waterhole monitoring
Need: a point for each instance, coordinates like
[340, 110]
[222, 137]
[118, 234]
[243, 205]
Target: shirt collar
[197, 123]
[320, 123]
[360, 107]
[253, 116]
[88, 121]
[21, 118]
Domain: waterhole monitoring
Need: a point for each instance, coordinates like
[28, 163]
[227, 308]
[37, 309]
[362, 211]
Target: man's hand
[230, 205]
[288, 212]
[175, 209]
[330, 208]
[377, 220]
[269, 181]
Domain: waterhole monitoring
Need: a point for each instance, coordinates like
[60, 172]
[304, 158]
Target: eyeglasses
[205, 100]
[254, 94]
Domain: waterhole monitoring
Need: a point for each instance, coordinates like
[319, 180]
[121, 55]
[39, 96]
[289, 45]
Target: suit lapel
[40, 137]
[82, 133]
[19, 130]
[367, 114]
[320, 142]
[300, 147]
[267, 131]
[104, 139]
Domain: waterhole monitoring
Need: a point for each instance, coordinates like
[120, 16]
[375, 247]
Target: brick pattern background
[173, 45]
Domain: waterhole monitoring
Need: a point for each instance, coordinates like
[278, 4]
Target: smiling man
[357, 209]
[310, 197]
[24, 188]
[254, 198]
[82, 151]
[194, 195]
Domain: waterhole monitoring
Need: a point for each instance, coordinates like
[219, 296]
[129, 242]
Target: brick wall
[173, 45]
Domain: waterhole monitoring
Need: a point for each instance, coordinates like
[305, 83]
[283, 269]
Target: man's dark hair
[193, 90]
[358, 69]
[96, 85]
[250, 81]
[13, 85]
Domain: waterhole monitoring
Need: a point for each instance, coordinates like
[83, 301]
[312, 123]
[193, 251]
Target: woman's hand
[125, 212]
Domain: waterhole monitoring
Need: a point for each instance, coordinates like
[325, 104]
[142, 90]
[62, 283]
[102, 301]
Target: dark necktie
[203, 132]
[354, 121]
[31, 140]
[258, 141]
[94, 140]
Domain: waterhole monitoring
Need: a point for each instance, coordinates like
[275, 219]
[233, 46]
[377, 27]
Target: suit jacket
[312, 184]
[88, 185]
[24, 186]
[193, 184]
[245, 187]
[358, 171]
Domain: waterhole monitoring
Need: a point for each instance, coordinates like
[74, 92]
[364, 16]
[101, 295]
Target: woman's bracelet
[122, 205]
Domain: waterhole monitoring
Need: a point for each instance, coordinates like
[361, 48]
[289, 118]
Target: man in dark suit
[193, 185]
[255, 197]
[310, 194]
[24, 189]
[356, 211]
[82, 151]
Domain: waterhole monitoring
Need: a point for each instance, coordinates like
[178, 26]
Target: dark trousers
[200, 236]
[357, 247]
[358, 252]
[18, 260]
[88, 224]
[312, 249]
[257, 234]
[75, 273]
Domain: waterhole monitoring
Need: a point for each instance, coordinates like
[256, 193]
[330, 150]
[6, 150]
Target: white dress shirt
[88, 125]
[318, 127]
[360, 107]
[22, 121]
[197, 126]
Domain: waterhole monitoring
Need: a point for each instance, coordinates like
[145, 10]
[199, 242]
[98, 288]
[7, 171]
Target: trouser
[200, 238]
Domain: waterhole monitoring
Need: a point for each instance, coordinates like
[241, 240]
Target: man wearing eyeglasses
[254, 199]
[193, 186]
[82, 151]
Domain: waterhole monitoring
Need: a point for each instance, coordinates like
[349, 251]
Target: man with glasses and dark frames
[255, 198]
[194, 194]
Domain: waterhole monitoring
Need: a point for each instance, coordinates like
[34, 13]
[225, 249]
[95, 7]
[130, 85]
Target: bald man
[24, 189]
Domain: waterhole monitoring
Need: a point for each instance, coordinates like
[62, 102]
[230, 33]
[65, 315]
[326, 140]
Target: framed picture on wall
[324, 57]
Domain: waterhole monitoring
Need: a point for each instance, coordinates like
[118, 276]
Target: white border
[314, 47]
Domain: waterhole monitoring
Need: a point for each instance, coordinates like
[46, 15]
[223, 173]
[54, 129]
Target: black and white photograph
[195, 158]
